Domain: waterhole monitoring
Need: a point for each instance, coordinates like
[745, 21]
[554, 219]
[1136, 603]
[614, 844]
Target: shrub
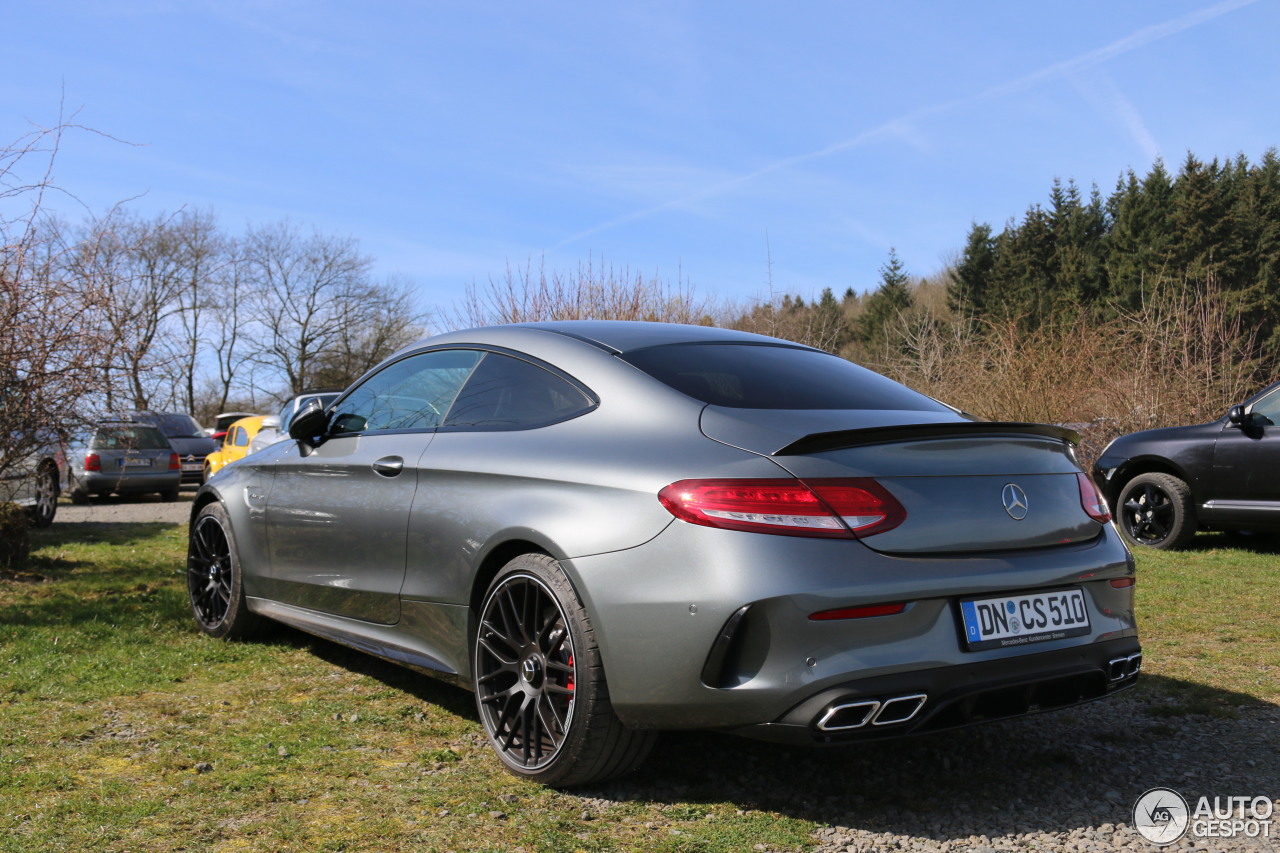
[15, 545]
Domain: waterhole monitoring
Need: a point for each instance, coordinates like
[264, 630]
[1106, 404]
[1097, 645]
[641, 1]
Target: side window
[241, 437]
[1266, 412]
[412, 393]
[509, 393]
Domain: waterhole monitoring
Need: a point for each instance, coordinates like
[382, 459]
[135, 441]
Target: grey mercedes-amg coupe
[606, 529]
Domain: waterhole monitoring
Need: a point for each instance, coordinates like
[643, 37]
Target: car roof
[622, 336]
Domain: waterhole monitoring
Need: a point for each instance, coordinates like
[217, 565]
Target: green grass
[1209, 616]
[123, 729]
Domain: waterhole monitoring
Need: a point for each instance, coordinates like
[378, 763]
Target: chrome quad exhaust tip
[876, 712]
[1118, 669]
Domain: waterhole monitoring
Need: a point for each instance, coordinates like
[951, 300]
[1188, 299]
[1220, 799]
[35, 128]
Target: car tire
[79, 496]
[540, 685]
[215, 582]
[46, 505]
[1156, 511]
[169, 495]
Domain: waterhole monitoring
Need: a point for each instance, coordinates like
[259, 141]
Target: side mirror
[309, 423]
[1237, 417]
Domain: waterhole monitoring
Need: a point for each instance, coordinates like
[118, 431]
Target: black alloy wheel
[1156, 512]
[214, 584]
[527, 677]
[540, 688]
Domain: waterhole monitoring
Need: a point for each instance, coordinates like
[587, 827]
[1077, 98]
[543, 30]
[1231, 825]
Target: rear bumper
[950, 697]
[705, 628]
[134, 483]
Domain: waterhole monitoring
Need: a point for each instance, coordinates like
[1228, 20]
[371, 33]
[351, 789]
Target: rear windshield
[754, 376]
[129, 438]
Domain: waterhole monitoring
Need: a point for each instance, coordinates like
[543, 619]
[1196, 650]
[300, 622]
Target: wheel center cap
[531, 670]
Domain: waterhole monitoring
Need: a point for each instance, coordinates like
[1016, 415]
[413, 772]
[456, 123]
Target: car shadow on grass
[1059, 771]
[427, 689]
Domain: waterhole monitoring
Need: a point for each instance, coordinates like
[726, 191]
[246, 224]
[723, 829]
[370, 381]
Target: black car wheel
[540, 684]
[1156, 511]
[46, 505]
[214, 581]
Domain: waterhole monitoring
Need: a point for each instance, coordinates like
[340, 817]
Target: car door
[1246, 461]
[493, 465]
[338, 511]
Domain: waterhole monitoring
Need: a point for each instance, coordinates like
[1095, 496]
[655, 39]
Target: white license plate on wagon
[137, 463]
[1018, 620]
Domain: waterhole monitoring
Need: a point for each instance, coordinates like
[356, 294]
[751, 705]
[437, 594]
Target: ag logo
[1161, 816]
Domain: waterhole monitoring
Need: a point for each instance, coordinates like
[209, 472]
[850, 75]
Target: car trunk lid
[967, 486]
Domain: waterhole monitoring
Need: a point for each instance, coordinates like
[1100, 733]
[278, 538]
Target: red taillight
[92, 462]
[859, 612]
[1091, 499]
[175, 464]
[839, 509]
[1123, 583]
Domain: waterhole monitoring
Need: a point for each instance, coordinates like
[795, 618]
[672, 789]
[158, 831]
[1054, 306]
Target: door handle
[388, 466]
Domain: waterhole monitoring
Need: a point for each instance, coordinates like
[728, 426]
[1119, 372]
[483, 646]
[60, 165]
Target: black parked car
[1165, 484]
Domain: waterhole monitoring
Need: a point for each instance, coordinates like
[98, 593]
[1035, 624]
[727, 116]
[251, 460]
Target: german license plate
[1019, 620]
[190, 466]
[137, 463]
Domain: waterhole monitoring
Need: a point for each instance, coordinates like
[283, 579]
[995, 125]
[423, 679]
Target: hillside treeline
[1213, 223]
[1158, 305]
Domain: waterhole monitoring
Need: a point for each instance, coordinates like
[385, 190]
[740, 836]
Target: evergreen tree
[888, 303]
[971, 278]
[1136, 247]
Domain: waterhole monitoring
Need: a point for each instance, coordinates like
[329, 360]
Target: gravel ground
[1062, 781]
[128, 509]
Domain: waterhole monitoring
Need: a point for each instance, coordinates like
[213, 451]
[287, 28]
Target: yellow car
[235, 445]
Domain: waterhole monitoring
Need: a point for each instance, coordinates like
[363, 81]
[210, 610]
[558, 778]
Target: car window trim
[486, 349]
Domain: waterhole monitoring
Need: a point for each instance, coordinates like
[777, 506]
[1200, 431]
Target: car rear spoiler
[840, 439]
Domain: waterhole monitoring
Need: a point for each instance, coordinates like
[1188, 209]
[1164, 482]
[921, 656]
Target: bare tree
[137, 266]
[314, 307]
[207, 270]
[50, 325]
[591, 292]
[378, 322]
[223, 330]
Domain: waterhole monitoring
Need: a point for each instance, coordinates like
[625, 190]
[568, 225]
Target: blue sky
[737, 145]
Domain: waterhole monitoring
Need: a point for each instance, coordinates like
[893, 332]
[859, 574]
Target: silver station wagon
[607, 529]
[123, 458]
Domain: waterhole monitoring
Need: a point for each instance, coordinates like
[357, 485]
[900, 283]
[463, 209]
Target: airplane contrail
[1134, 41]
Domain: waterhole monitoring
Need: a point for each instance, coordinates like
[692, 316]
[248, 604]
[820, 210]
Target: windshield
[179, 426]
[765, 376]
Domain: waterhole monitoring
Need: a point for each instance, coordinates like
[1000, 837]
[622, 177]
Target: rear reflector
[1123, 583]
[834, 509]
[1092, 501]
[859, 612]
